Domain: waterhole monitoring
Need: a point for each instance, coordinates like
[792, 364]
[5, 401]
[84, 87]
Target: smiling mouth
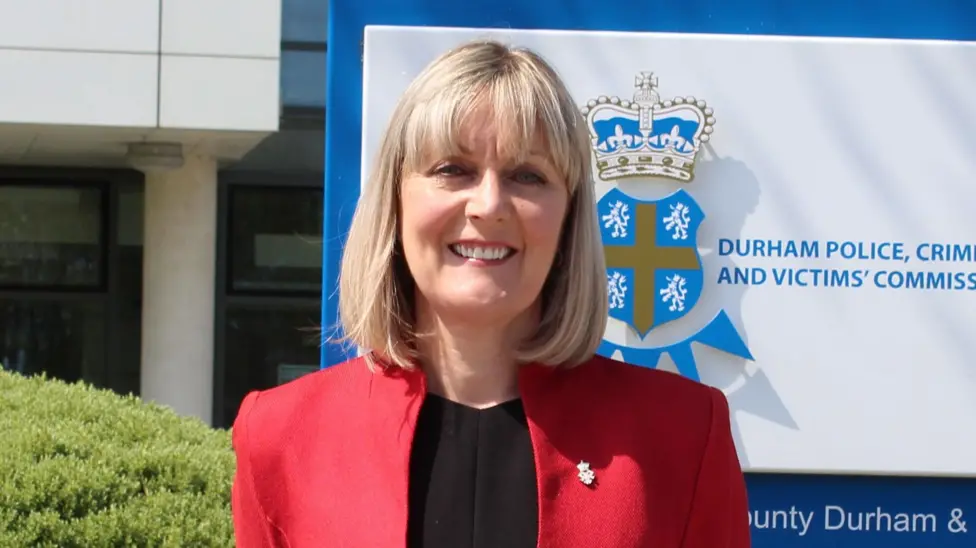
[481, 253]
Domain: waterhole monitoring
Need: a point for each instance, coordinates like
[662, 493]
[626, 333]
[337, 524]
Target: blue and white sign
[809, 252]
[784, 200]
[861, 512]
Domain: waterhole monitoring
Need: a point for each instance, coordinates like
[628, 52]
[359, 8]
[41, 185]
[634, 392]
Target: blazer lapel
[393, 405]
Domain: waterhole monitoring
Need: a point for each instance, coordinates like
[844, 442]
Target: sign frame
[773, 495]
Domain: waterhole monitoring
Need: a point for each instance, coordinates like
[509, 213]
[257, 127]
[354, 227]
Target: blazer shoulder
[665, 405]
[652, 387]
[269, 414]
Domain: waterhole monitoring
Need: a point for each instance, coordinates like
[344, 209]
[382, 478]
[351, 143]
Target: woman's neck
[471, 364]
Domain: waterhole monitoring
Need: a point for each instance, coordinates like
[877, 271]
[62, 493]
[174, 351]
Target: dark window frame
[304, 45]
[110, 182]
[224, 299]
[229, 275]
[105, 217]
[302, 118]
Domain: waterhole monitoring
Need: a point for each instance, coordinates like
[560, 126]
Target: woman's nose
[488, 200]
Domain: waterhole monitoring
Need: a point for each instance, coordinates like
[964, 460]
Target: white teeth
[481, 253]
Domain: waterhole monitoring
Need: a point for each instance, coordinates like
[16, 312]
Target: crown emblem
[647, 137]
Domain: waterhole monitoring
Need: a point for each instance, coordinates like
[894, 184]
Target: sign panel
[777, 226]
[861, 512]
[785, 218]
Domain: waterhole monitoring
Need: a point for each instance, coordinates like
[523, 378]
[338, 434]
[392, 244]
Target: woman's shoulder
[270, 412]
[605, 377]
[630, 393]
[618, 371]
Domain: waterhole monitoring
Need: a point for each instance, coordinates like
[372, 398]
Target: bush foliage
[81, 467]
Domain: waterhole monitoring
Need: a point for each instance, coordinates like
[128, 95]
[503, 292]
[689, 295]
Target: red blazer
[323, 460]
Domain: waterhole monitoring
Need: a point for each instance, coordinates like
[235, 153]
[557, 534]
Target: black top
[472, 478]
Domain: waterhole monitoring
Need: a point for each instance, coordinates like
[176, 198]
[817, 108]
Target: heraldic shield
[654, 269]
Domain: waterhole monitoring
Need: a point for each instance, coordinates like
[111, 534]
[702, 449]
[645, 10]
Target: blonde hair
[526, 96]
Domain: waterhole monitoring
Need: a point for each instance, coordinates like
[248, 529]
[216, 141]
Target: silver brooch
[585, 474]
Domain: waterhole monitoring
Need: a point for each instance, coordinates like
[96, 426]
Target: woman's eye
[449, 170]
[528, 177]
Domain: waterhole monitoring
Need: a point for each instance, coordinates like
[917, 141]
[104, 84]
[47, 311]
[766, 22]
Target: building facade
[161, 167]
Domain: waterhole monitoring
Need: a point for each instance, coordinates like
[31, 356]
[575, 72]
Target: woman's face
[479, 231]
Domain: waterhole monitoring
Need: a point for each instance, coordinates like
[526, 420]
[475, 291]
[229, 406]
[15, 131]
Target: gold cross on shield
[645, 257]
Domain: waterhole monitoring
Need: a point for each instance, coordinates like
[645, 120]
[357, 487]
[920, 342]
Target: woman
[473, 276]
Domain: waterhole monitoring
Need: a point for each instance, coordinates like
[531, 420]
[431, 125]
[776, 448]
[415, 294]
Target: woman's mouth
[487, 253]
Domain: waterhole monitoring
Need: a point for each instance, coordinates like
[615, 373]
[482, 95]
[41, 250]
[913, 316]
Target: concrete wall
[175, 64]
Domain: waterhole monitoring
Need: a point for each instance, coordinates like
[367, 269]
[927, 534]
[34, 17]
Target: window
[276, 240]
[51, 237]
[124, 373]
[304, 20]
[303, 78]
[269, 312]
[52, 267]
[71, 275]
[267, 346]
[64, 338]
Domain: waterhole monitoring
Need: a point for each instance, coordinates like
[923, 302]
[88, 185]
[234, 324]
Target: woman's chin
[487, 304]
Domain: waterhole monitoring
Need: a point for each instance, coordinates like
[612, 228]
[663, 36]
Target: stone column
[178, 286]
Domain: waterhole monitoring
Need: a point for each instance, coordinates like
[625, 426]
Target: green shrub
[81, 467]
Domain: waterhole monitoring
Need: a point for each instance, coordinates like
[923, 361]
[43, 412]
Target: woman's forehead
[486, 132]
[514, 129]
[503, 138]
